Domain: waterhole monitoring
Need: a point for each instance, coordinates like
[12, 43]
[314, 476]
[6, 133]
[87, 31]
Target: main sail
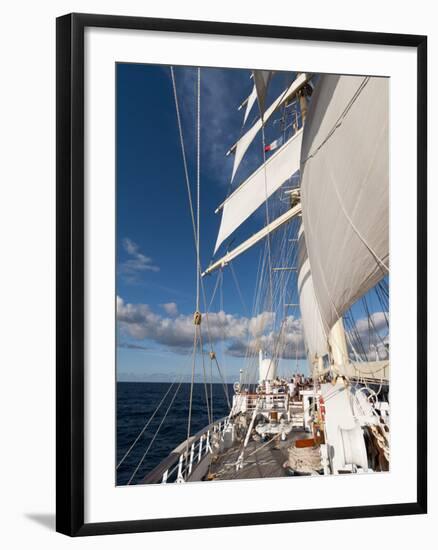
[344, 191]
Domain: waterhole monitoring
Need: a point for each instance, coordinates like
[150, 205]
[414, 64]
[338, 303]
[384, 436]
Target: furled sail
[260, 185]
[344, 190]
[314, 333]
[245, 141]
[254, 239]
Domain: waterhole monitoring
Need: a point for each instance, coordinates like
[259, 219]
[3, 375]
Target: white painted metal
[339, 419]
[267, 368]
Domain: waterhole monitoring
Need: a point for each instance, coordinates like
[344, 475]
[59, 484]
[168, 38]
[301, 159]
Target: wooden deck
[261, 459]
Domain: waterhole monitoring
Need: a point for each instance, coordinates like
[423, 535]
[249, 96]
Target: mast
[338, 348]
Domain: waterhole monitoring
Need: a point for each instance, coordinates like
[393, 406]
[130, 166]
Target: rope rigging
[195, 218]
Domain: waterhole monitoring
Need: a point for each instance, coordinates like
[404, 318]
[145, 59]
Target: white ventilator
[267, 368]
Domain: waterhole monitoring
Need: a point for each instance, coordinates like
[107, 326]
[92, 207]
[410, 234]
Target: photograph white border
[103, 500]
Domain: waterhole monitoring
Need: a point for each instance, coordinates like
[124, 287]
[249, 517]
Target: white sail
[260, 185]
[245, 141]
[314, 333]
[249, 103]
[254, 239]
[261, 84]
[344, 190]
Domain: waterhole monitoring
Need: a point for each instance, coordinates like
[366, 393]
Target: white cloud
[136, 263]
[374, 335]
[139, 322]
[170, 308]
[378, 322]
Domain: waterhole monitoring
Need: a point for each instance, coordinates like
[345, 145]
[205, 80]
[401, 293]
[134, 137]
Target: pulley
[197, 318]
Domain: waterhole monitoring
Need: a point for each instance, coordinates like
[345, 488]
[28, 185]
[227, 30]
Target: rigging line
[201, 350]
[230, 183]
[210, 346]
[371, 320]
[268, 237]
[221, 306]
[380, 261]
[341, 118]
[210, 341]
[359, 340]
[211, 388]
[194, 225]
[239, 291]
[354, 332]
[252, 351]
[383, 302]
[198, 187]
[155, 435]
[223, 382]
[189, 418]
[214, 291]
[145, 426]
[183, 151]
[197, 336]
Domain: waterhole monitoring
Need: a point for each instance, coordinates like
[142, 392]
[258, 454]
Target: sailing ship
[324, 187]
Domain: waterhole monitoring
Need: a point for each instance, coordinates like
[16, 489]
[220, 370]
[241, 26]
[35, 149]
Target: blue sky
[155, 249]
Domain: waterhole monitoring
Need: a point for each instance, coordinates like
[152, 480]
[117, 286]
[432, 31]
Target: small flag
[273, 145]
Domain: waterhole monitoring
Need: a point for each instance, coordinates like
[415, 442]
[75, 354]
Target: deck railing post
[180, 477]
[164, 480]
[192, 452]
[207, 444]
[200, 449]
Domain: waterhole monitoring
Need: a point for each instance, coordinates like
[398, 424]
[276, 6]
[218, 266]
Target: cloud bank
[242, 334]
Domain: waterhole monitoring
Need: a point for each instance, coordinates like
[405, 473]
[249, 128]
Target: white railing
[182, 462]
[273, 401]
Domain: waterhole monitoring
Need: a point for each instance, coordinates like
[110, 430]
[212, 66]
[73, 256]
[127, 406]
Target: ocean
[136, 402]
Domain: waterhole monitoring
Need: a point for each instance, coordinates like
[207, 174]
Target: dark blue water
[136, 402]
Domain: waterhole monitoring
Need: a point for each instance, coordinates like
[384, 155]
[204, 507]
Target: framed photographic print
[241, 274]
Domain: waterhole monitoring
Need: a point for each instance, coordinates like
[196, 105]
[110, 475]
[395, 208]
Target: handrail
[158, 474]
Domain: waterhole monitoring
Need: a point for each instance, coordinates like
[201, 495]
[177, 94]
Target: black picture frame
[70, 273]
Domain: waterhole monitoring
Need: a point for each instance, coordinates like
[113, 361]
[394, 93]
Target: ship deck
[261, 459]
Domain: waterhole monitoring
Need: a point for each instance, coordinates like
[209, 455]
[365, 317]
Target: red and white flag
[274, 145]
